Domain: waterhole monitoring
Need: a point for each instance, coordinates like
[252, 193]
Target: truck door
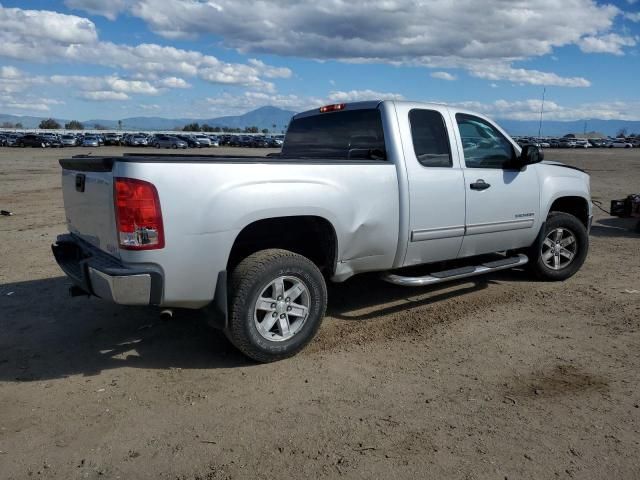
[435, 181]
[502, 201]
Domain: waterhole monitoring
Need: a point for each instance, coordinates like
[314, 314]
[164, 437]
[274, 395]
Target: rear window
[345, 135]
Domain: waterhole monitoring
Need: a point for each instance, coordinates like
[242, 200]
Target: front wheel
[562, 248]
[277, 302]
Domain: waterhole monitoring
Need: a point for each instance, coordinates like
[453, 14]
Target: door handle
[480, 184]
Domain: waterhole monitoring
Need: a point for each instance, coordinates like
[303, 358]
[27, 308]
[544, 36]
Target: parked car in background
[90, 141]
[3, 141]
[258, 142]
[582, 143]
[203, 141]
[620, 143]
[138, 140]
[69, 140]
[33, 140]
[112, 139]
[276, 141]
[168, 141]
[55, 142]
[12, 139]
[189, 140]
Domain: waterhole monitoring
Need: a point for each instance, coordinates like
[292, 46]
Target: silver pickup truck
[360, 187]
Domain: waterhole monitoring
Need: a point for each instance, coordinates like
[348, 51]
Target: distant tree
[98, 126]
[119, 124]
[7, 125]
[49, 124]
[265, 130]
[217, 129]
[74, 125]
[18, 125]
[253, 129]
[622, 132]
[206, 128]
[191, 127]
[274, 127]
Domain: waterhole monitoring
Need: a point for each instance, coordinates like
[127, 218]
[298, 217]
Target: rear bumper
[104, 276]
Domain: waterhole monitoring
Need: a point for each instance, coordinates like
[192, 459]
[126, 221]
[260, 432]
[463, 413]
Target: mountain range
[266, 117]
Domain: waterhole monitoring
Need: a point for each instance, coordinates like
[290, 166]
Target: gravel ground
[499, 377]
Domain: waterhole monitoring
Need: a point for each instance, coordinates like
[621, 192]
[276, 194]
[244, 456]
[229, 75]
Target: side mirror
[530, 154]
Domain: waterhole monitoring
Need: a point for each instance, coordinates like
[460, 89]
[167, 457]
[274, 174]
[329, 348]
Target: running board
[456, 273]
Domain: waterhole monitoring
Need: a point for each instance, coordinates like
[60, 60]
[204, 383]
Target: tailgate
[87, 190]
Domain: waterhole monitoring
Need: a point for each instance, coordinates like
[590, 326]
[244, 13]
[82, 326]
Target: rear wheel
[277, 302]
[562, 248]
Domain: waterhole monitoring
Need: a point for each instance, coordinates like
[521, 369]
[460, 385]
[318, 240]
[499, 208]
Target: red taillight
[332, 108]
[138, 215]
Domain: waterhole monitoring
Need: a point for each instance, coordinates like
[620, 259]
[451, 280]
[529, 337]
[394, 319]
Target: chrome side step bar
[456, 273]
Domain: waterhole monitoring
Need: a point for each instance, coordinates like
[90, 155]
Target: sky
[112, 59]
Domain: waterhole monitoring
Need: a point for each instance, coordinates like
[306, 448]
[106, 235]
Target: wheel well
[310, 236]
[576, 206]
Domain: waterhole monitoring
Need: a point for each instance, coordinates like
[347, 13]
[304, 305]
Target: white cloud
[362, 95]
[43, 36]
[109, 8]
[497, 72]
[173, 82]
[28, 102]
[444, 76]
[108, 83]
[14, 80]
[610, 43]
[37, 26]
[228, 104]
[10, 73]
[633, 16]
[448, 34]
[104, 96]
[530, 110]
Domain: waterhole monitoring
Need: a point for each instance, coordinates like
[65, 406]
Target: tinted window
[350, 134]
[483, 145]
[430, 138]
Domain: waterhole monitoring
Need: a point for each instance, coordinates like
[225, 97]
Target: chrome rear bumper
[104, 276]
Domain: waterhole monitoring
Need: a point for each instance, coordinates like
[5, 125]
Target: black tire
[248, 281]
[568, 222]
[174, 146]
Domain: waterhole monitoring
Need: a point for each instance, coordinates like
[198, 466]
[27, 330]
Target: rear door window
[348, 135]
[430, 138]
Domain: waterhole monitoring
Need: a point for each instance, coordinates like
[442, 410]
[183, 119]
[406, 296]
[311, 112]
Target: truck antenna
[544, 90]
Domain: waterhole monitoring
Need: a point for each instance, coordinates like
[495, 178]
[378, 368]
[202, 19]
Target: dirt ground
[499, 377]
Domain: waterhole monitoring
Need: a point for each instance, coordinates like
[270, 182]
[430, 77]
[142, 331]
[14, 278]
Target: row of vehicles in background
[579, 142]
[158, 140]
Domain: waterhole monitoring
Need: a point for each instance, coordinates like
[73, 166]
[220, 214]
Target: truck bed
[93, 163]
